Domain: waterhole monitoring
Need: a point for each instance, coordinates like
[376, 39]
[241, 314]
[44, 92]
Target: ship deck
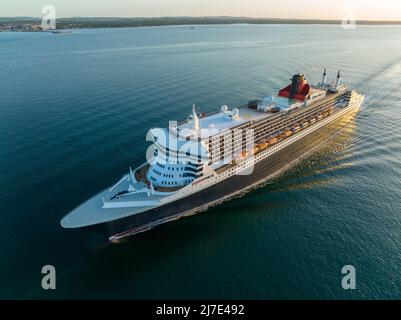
[214, 122]
[218, 122]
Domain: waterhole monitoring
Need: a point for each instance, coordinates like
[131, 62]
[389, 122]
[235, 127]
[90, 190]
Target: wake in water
[381, 85]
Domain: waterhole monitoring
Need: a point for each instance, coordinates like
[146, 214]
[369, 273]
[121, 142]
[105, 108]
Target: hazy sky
[320, 9]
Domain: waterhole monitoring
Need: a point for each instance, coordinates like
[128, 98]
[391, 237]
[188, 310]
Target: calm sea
[74, 112]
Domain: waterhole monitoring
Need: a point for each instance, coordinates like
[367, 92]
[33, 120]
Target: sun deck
[218, 122]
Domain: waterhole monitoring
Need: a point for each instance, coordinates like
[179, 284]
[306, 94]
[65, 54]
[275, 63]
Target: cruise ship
[209, 158]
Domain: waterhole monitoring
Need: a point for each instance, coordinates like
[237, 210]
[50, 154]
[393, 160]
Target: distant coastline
[34, 24]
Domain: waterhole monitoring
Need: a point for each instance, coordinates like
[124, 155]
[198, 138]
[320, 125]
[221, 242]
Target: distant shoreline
[34, 24]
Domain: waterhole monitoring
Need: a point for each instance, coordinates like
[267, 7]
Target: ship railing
[203, 115]
[125, 177]
[141, 191]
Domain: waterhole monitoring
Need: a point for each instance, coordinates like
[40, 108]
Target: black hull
[263, 171]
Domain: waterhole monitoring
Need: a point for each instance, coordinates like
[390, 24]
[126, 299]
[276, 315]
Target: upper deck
[219, 122]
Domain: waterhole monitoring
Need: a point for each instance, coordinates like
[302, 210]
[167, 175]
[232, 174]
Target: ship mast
[324, 80]
[195, 118]
[338, 80]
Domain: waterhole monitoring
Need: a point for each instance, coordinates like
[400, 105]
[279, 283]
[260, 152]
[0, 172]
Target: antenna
[195, 118]
[324, 80]
[338, 80]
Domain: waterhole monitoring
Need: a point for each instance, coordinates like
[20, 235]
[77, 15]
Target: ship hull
[263, 171]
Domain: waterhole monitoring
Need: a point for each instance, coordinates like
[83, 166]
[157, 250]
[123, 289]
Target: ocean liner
[209, 158]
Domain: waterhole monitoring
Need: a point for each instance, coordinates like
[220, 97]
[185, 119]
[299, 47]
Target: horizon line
[198, 17]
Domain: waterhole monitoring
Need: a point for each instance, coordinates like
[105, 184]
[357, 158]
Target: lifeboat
[272, 140]
[262, 146]
[326, 114]
[312, 120]
[319, 116]
[287, 133]
[255, 149]
[305, 124]
[244, 154]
